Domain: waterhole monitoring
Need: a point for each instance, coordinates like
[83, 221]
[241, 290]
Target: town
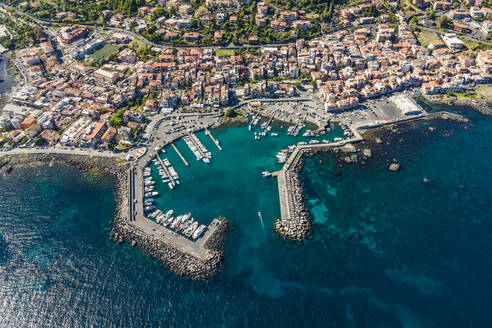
[90, 87]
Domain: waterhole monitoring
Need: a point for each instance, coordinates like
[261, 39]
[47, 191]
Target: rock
[395, 167]
[431, 128]
[349, 148]
[426, 180]
[367, 152]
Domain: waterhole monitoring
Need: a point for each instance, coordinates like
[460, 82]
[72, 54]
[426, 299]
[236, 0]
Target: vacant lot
[224, 52]
[105, 51]
[425, 37]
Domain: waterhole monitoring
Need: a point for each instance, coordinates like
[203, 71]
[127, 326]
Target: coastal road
[63, 151]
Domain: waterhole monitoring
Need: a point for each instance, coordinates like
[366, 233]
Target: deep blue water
[387, 249]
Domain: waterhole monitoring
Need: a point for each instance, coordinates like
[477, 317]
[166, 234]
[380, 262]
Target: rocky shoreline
[174, 259]
[480, 105]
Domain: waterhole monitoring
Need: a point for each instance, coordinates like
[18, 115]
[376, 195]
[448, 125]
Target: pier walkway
[165, 169]
[193, 141]
[180, 155]
[216, 142]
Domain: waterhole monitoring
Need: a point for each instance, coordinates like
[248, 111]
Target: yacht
[266, 174]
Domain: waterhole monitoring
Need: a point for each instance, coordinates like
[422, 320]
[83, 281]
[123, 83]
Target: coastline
[176, 260]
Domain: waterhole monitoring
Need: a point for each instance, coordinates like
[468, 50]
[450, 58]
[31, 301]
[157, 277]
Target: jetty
[165, 169]
[193, 141]
[179, 154]
[131, 194]
[294, 222]
[213, 139]
[270, 121]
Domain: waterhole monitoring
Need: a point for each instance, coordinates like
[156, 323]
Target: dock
[216, 142]
[270, 120]
[179, 154]
[165, 169]
[193, 141]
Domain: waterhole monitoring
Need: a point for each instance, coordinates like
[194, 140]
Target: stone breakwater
[175, 259]
[297, 224]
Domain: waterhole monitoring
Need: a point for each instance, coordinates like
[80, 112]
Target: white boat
[199, 231]
[191, 229]
[274, 134]
[266, 174]
[171, 186]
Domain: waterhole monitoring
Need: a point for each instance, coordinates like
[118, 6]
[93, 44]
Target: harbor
[185, 214]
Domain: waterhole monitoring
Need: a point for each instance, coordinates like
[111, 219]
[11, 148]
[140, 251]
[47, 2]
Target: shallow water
[386, 250]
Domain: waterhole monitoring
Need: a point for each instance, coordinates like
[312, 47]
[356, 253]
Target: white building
[452, 41]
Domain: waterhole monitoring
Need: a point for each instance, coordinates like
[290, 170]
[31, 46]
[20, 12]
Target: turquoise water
[387, 250]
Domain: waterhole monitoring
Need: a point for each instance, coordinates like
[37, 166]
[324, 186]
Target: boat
[206, 160]
[191, 229]
[274, 134]
[338, 139]
[266, 174]
[171, 186]
[311, 142]
[199, 231]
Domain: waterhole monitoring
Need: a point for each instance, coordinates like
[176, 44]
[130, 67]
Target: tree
[229, 112]
[444, 22]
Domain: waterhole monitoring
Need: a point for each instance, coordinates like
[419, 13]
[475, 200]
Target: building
[452, 41]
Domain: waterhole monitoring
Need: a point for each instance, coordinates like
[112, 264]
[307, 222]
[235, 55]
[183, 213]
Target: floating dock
[213, 139]
[180, 155]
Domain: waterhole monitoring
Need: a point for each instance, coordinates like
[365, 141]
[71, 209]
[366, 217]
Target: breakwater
[295, 219]
[125, 227]
[176, 258]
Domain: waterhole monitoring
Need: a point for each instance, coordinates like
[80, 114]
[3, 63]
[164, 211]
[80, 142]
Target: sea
[387, 249]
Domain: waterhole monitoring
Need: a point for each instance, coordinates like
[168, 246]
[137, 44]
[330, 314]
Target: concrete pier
[196, 145]
[165, 169]
[270, 120]
[213, 139]
[177, 151]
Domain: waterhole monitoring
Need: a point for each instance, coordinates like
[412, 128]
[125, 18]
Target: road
[64, 151]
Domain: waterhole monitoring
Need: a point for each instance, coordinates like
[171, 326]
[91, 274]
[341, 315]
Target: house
[278, 25]
[191, 36]
[302, 24]
[109, 135]
[170, 35]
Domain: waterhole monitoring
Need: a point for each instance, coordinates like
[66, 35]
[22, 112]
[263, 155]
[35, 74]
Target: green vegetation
[426, 37]
[474, 46]
[230, 113]
[444, 22]
[105, 51]
[24, 35]
[224, 52]
[464, 95]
